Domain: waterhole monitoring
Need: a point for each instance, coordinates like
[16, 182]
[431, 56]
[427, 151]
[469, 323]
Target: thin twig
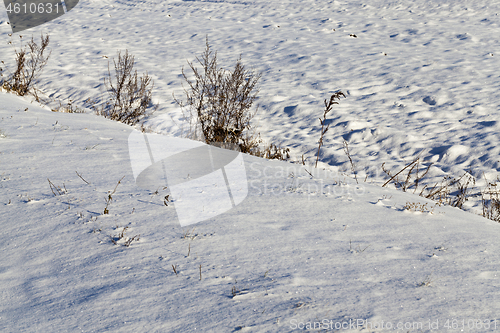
[309, 173]
[387, 182]
[346, 150]
[82, 178]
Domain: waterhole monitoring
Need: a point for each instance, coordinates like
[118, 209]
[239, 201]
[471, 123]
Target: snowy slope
[297, 250]
[420, 78]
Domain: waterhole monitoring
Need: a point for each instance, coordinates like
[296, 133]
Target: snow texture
[421, 78]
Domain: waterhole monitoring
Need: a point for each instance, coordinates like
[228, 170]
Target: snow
[420, 79]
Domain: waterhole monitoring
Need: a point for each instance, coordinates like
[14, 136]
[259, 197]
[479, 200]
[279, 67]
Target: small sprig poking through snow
[110, 197]
[129, 241]
[441, 248]
[358, 249]
[113, 240]
[426, 282]
[124, 240]
[28, 198]
[300, 304]
[56, 190]
[235, 291]
[189, 234]
[418, 207]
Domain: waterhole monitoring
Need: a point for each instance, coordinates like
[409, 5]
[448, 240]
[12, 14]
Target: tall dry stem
[324, 126]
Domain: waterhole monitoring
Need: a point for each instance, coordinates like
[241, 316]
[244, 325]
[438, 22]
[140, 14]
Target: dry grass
[273, 152]
[235, 291]
[57, 190]
[490, 199]
[418, 207]
[412, 177]
[449, 191]
[189, 234]
[69, 107]
[127, 241]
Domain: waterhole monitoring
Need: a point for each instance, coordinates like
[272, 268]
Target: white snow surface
[420, 78]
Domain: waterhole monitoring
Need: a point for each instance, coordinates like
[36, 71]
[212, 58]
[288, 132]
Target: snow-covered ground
[420, 78]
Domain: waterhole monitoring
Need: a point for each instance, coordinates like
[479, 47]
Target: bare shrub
[130, 95]
[219, 102]
[30, 61]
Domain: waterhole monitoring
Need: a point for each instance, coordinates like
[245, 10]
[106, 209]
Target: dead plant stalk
[324, 126]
